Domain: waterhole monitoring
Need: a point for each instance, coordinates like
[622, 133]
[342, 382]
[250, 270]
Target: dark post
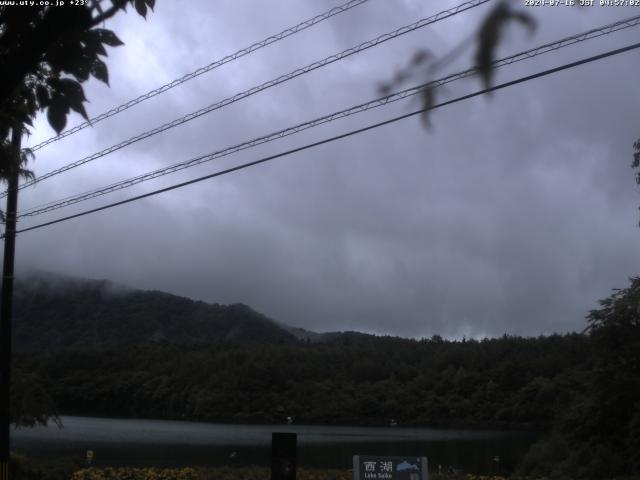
[6, 309]
[283, 456]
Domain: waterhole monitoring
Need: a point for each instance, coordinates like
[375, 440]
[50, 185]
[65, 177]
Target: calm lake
[172, 444]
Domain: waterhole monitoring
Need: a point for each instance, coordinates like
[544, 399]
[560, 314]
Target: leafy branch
[487, 38]
[46, 53]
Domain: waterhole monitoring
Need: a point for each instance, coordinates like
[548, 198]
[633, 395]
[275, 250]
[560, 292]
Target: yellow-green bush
[136, 474]
[248, 473]
[483, 477]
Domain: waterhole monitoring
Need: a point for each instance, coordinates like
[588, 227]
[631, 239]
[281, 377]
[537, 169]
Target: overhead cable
[207, 68]
[271, 83]
[337, 137]
[387, 99]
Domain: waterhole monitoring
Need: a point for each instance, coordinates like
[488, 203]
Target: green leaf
[76, 104]
[30, 101]
[79, 108]
[108, 37]
[26, 119]
[72, 95]
[490, 34]
[81, 65]
[71, 89]
[64, 55]
[428, 101]
[73, 58]
[42, 94]
[141, 7]
[100, 71]
[57, 116]
[93, 44]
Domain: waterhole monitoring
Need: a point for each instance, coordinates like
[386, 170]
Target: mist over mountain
[90, 347]
[53, 311]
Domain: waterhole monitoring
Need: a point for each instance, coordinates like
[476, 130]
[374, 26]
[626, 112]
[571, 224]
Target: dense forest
[504, 382]
[55, 311]
[583, 389]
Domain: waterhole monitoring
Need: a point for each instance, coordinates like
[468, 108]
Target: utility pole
[6, 306]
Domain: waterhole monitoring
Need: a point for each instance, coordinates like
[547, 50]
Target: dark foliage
[488, 37]
[52, 312]
[490, 34]
[22, 468]
[599, 431]
[46, 53]
[107, 350]
[348, 379]
[30, 402]
[582, 388]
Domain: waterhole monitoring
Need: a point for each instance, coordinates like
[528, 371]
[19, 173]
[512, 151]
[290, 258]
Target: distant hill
[328, 337]
[53, 311]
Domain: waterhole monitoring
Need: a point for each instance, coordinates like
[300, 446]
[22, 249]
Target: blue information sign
[367, 467]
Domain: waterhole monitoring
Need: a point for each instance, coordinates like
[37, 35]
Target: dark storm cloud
[514, 214]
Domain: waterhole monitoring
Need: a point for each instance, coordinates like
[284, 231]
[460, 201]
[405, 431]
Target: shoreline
[491, 427]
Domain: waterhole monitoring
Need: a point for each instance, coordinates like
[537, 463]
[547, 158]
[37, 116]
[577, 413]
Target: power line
[271, 83]
[207, 68]
[542, 49]
[337, 137]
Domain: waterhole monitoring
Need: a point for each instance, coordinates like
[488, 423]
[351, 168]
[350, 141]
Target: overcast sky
[513, 214]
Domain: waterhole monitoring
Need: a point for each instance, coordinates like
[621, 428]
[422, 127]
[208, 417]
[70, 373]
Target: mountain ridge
[53, 311]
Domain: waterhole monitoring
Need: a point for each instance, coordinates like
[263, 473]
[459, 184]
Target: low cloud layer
[513, 214]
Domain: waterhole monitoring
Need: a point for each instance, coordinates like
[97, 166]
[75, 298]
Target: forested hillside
[53, 311]
[89, 348]
[509, 381]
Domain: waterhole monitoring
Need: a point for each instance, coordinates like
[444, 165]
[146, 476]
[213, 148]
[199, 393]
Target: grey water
[163, 443]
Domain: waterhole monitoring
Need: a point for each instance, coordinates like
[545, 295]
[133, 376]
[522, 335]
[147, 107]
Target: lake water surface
[173, 444]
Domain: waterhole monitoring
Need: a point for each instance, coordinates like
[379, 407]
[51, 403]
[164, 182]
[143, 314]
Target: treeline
[53, 312]
[584, 389]
[510, 381]
[597, 435]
